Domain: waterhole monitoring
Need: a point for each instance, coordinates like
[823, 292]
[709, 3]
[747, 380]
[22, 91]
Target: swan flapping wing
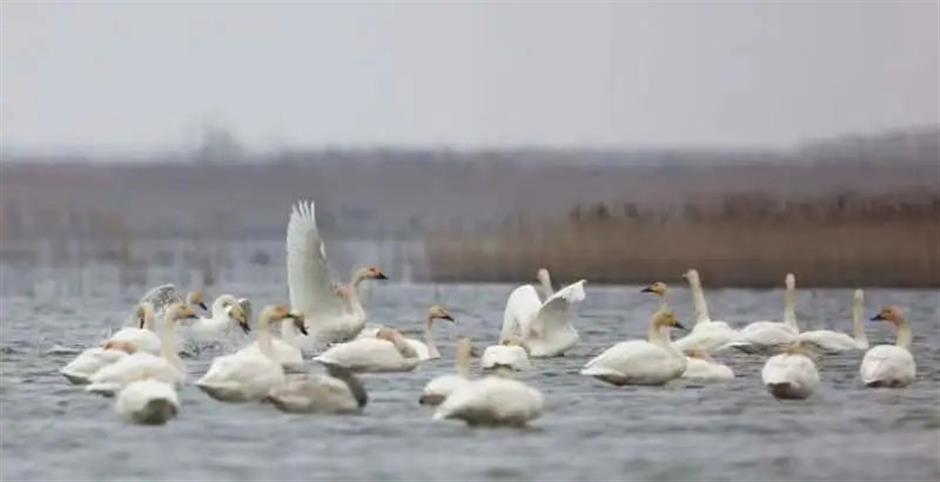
[308, 275]
[553, 314]
[161, 297]
[522, 307]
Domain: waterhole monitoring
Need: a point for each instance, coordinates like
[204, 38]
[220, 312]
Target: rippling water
[52, 430]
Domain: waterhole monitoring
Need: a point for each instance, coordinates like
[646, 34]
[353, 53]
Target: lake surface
[590, 430]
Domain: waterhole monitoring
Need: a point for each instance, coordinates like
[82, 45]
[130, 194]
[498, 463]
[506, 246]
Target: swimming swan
[143, 336]
[701, 367]
[771, 336]
[167, 368]
[147, 402]
[88, 362]
[653, 361]
[545, 327]
[706, 335]
[512, 353]
[492, 400]
[338, 392]
[311, 288]
[427, 350]
[226, 313]
[790, 375]
[387, 352]
[249, 374]
[832, 341]
[890, 366]
[439, 388]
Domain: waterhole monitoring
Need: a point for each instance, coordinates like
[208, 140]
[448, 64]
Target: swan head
[790, 281]
[515, 340]
[438, 312]
[119, 345]
[658, 288]
[144, 315]
[371, 272]
[179, 311]
[197, 298]
[237, 313]
[278, 313]
[667, 318]
[891, 314]
[543, 277]
[691, 276]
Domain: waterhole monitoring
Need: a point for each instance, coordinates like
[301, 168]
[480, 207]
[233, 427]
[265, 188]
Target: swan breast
[888, 366]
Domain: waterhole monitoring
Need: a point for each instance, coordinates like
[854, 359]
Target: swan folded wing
[362, 353]
[522, 307]
[631, 359]
[708, 336]
[828, 340]
[308, 276]
[161, 297]
[553, 315]
[887, 362]
[767, 333]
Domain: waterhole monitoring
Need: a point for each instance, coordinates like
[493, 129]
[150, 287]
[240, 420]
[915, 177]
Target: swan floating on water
[88, 362]
[706, 335]
[227, 313]
[768, 337]
[439, 388]
[790, 375]
[512, 353]
[311, 288]
[143, 336]
[167, 368]
[161, 297]
[250, 374]
[833, 341]
[338, 392]
[147, 402]
[545, 327]
[890, 366]
[387, 352]
[701, 367]
[653, 361]
[427, 350]
[493, 400]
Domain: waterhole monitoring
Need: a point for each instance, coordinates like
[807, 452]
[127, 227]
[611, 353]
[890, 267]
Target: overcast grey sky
[145, 76]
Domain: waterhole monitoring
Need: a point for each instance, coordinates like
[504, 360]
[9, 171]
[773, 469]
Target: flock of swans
[141, 366]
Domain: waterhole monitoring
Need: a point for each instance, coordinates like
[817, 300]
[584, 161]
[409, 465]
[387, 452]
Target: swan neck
[463, 363]
[858, 324]
[355, 305]
[546, 284]
[264, 337]
[698, 298]
[789, 309]
[429, 338]
[904, 335]
[168, 343]
[355, 279]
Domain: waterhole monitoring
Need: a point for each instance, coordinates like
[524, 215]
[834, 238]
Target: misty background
[622, 142]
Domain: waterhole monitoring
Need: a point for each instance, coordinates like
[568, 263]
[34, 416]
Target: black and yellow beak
[381, 275]
[648, 289]
[878, 317]
[299, 323]
[245, 327]
[447, 317]
[679, 326]
[140, 323]
[203, 306]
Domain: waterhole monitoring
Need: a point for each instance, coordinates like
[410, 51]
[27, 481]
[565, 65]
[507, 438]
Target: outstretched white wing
[521, 308]
[553, 315]
[161, 297]
[308, 275]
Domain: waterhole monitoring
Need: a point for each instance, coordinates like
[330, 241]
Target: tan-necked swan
[139, 366]
[706, 335]
[833, 341]
[250, 374]
[492, 400]
[310, 285]
[653, 361]
[545, 327]
[147, 402]
[512, 353]
[88, 362]
[163, 296]
[427, 350]
[143, 336]
[890, 366]
[227, 313]
[387, 352]
[791, 375]
[439, 388]
[339, 391]
[769, 337]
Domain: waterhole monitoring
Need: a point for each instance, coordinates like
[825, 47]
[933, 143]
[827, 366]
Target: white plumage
[492, 400]
[544, 327]
[790, 376]
[148, 402]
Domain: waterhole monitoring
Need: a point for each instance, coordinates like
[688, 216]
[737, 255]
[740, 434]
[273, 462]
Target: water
[590, 430]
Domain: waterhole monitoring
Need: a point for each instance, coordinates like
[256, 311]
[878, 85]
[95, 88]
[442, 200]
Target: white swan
[249, 374]
[167, 368]
[890, 365]
[512, 353]
[427, 350]
[143, 336]
[706, 335]
[439, 388]
[226, 313]
[545, 327]
[832, 341]
[492, 400]
[790, 375]
[387, 352]
[88, 362]
[309, 283]
[545, 283]
[338, 392]
[653, 361]
[701, 367]
[771, 336]
[147, 402]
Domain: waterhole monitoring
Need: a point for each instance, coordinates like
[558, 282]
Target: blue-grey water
[590, 430]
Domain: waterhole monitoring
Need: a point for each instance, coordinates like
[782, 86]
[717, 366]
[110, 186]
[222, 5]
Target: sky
[140, 77]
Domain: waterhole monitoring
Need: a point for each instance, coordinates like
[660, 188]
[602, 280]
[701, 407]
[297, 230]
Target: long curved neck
[264, 337]
[655, 335]
[789, 308]
[355, 305]
[698, 298]
[546, 284]
[149, 321]
[429, 338]
[218, 306]
[355, 278]
[463, 363]
[904, 334]
[663, 302]
[858, 324]
[168, 342]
